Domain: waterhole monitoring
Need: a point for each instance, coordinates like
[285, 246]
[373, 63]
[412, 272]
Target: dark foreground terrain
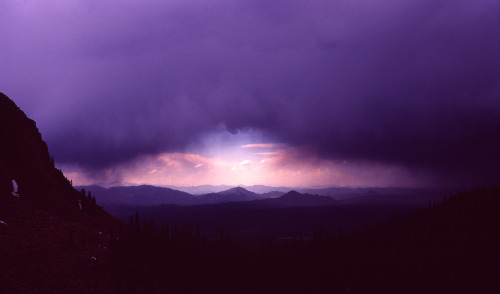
[452, 247]
[53, 239]
[250, 224]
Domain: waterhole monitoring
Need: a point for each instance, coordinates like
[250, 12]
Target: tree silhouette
[450, 247]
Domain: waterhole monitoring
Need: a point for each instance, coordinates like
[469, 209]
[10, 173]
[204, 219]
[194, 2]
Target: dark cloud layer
[415, 83]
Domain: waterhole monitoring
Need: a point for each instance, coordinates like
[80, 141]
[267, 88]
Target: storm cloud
[413, 83]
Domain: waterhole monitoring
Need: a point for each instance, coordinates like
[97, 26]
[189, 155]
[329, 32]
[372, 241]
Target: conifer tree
[93, 206]
[137, 221]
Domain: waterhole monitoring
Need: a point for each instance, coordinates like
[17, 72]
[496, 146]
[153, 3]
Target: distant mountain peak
[236, 190]
[294, 198]
[292, 194]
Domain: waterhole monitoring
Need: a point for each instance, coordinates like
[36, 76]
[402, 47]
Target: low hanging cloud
[282, 167]
[413, 83]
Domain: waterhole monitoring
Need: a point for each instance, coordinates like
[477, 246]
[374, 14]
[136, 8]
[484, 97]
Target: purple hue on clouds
[411, 83]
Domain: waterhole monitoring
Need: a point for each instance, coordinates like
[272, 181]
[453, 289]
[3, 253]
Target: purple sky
[348, 92]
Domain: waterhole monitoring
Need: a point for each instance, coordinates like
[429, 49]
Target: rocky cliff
[52, 238]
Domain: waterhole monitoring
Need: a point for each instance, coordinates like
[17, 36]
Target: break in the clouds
[410, 85]
[279, 166]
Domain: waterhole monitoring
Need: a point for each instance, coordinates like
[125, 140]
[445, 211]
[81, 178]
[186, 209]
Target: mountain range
[147, 195]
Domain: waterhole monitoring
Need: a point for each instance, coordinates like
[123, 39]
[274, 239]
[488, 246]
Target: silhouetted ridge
[147, 195]
[144, 195]
[293, 195]
[24, 155]
[25, 158]
[294, 198]
[51, 236]
[25, 162]
[231, 195]
[237, 190]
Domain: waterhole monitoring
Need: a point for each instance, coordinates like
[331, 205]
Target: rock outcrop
[48, 242]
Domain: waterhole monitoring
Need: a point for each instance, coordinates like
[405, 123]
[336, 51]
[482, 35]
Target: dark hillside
[24, 158]
[143, 195]
[53, 239]
[450, 247]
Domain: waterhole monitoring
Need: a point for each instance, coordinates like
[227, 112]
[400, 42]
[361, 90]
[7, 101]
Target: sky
[274, 92]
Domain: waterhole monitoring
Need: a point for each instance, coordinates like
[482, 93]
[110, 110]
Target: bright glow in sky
[226, 163]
